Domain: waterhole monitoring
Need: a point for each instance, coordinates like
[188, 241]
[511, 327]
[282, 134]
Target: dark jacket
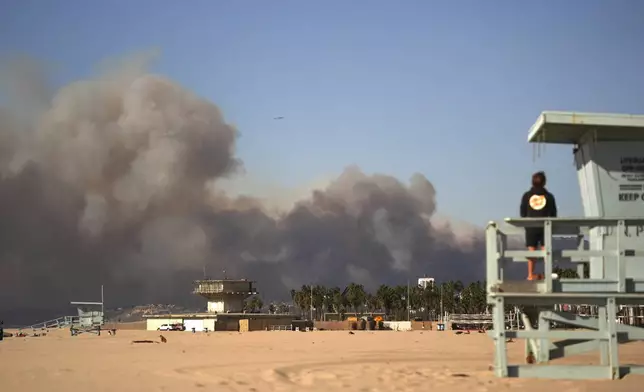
[538, 203]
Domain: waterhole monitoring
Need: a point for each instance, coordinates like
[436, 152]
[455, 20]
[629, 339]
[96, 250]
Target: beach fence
[471, 321]
[280, 328]
[266, 324]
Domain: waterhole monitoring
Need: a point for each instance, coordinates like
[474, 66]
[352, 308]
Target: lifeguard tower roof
[573, 128]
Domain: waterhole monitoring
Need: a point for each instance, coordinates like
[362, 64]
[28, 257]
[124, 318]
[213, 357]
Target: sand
[274, 361]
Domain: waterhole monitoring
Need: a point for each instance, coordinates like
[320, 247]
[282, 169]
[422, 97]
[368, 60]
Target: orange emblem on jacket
[537, 202]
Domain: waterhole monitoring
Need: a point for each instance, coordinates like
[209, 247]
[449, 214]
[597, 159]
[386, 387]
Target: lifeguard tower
[224, 295]
[609, 156]
[90, 314]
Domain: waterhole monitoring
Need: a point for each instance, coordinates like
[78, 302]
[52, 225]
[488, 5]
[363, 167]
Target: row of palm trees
[400, 302]
[397, 302]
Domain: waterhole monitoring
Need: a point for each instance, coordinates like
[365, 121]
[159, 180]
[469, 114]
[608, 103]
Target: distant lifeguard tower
[609, 158]
[224, 295]
[89, 314]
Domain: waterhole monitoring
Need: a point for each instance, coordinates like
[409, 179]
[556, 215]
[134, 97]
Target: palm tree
[371, 303]
[449, 296]
[302, 298]
[282, 308]
[338, 300]
[431, 301]
[253, 304]
[416, 298]
[473, 298]
[384, 296]
[356, 296]
[326, 300]
[305, 298]
[296, 297]
[319, 300]
[399, 301]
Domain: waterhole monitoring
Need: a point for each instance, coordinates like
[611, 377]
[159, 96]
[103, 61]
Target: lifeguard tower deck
[609, 155]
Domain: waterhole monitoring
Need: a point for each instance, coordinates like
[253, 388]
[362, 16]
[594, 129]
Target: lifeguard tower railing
[59, 322]
[539, 297]
[609, 156]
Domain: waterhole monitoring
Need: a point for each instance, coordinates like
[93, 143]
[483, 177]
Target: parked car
[172, 327]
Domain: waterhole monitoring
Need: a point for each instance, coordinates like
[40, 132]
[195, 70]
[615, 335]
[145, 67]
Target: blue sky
[444, 88]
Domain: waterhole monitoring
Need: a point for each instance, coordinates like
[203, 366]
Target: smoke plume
[117, 180]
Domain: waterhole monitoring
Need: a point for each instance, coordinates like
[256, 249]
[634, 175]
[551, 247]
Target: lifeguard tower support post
[609, 155]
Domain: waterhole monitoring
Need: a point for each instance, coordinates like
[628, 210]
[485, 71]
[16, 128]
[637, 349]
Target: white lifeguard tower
[609, 156]
[425, 282]
[224, 295]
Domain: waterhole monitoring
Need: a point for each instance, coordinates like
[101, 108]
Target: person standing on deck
[537, 203]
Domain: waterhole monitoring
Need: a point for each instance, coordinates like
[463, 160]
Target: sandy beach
[273, 361]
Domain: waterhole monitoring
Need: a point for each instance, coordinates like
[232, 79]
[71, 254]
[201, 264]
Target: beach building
[224, 310]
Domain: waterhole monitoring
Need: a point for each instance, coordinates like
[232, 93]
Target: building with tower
[224, 309]
[224, 295]
[425, 282]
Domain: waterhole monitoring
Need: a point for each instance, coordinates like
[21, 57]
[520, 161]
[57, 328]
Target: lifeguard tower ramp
[609, 156]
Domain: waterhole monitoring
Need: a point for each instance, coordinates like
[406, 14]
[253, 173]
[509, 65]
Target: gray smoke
[114, 181]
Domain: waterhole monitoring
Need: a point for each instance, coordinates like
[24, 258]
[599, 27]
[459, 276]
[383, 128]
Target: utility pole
[311, 302]
[102, 306]
[408, 303]
[442, 303]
